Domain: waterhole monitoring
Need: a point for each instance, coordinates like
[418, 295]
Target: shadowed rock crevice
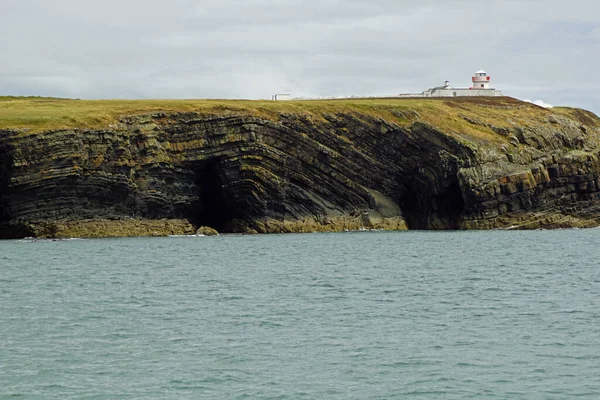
[449, 206]
[16, 229]
[414, 208]
[5, 168]
[425, 211]
[213, 207]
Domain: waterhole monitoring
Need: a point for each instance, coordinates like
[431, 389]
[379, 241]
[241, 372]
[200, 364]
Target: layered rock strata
[172, 172]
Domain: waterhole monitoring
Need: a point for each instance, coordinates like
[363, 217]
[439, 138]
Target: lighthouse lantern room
[480, 80]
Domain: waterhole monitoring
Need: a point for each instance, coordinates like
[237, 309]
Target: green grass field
[36, 114]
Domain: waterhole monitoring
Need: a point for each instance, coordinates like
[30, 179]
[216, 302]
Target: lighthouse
[480, 86]
[480, 80]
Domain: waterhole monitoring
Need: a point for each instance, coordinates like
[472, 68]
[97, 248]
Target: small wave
[229, 298]
[269, 324]
[323, 285]
[40, 240]
[187, 236]
[570, 311]
[494, 289]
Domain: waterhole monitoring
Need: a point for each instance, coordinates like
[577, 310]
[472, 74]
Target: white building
[480, 87]
[281, 97]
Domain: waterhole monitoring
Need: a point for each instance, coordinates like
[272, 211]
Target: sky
[546, 50]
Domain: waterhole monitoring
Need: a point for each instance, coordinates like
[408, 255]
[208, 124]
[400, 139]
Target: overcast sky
[533, 49]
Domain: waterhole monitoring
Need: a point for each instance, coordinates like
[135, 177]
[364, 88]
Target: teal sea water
[366, 315]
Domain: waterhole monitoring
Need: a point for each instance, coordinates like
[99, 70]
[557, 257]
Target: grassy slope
[36, 114]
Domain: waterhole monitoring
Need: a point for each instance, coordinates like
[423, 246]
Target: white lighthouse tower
[480, 80]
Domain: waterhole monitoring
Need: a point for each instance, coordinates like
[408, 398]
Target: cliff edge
[72, 168]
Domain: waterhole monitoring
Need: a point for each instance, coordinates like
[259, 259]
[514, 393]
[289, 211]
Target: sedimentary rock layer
[432, 164]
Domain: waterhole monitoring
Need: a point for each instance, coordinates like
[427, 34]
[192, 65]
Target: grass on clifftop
[36, 114]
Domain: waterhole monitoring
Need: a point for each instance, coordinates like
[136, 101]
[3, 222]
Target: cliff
[117, 168]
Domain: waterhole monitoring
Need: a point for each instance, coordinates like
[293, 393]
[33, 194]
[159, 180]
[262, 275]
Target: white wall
[462, 93]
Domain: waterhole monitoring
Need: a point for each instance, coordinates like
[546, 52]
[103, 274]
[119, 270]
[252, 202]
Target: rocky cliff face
[475, 164]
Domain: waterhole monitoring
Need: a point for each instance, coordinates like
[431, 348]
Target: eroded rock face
[302, 173]
[547, 177]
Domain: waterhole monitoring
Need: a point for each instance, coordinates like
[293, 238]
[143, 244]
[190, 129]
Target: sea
[355, 315]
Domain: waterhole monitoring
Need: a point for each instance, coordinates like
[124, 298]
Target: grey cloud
[250, 49]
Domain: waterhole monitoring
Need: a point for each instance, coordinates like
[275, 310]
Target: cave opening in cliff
[413, 210]
[450, 206]
[424, 212]
[5, 163]
[213, 209]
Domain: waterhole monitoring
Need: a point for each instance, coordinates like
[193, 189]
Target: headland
[76, 168]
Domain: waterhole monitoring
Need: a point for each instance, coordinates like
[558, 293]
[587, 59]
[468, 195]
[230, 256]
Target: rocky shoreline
[437, 164]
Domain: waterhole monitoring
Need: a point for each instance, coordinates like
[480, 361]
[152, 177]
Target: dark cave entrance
[5, 166]
[213, 208]
[413, 209]
[423, 211]
[450, 206]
